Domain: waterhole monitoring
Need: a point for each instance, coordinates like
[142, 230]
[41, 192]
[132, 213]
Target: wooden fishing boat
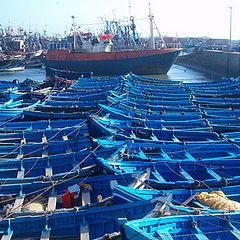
[92, 213]
[154, 135]
[180, 174]
[9, 137]
[220, 103]
[12, 69]
[230, 121]
[218, 94]
[222, 226]
[215, 100]
[68, 74]
[83, 142]
[142, 130]
[53, 115]
[44, 124]
[9, 111]
[174, 151]
[186, 201]
[221, 113]
[233, 137]
[77, 105]
[131, 114]
[77, 96]
[138, 99]
[153, 88]
[137, 78]
[158, 92]
[161, 107]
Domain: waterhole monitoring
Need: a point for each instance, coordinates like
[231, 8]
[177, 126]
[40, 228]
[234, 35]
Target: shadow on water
[176, 73]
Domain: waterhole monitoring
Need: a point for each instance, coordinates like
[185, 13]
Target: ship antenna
[152, 44]
[129, 8]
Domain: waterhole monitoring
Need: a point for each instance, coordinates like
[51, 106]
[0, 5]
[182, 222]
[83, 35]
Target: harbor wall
[215, 63]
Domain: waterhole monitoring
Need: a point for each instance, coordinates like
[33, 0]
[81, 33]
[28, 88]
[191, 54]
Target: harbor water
[176, 73]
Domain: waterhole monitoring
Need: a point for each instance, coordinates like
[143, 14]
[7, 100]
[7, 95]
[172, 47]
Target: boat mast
[74, 33]
[152, 43]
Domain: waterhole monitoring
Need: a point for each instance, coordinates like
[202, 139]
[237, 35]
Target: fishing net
[217, 200]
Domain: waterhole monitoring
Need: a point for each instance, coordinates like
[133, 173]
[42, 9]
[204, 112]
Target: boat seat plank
[18, 204]
[186, 175]
[175, 139]
[140, 180]
[85, 197]
[190, 199]
[164, 235]
[52, 201]
[158, 176]
[165, 155]
[198, 234]
[154, 138]
[84, 229]
[7, 236]
[234, 231]
[189, 156]
[167, 202]
[213, 174]
[76, 165]
[45, 235]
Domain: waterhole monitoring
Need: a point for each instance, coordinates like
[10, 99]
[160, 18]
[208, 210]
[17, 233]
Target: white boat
[12, 69]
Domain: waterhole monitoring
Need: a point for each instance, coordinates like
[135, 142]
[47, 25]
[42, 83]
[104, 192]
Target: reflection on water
[36, 74]
[180, 73]
[176, 73]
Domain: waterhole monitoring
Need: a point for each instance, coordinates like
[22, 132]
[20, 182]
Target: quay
[213, 62]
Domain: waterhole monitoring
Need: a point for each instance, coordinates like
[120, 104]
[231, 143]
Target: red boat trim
[66, 55]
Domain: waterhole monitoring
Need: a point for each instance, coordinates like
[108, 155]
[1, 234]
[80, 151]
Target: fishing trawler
[114, 53]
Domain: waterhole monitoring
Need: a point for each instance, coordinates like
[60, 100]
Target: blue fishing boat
[162, 106]
[174, 151]
[181, 174]
[92, 213]
[187, 201]
[68, 74]
[154, 135]
[222, 226]
[154, 124]
[131, 114]
[51, 113]
[44, 124]
[8, 137]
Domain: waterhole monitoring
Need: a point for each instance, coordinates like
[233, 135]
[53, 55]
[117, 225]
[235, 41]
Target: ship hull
[142, 62]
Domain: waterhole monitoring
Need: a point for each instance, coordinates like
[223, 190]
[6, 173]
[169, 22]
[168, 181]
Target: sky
[181, 18]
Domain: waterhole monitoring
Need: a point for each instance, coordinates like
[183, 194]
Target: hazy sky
[183, 18]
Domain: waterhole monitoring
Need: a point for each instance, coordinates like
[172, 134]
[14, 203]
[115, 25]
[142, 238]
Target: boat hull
[145, 62]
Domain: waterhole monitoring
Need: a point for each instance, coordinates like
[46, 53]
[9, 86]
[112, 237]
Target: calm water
[177, 73]
[180, 73]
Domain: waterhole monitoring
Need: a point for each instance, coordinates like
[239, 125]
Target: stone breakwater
[217, 63]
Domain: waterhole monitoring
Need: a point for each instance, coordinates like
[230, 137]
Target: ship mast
[74, 33]
[152, 43]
